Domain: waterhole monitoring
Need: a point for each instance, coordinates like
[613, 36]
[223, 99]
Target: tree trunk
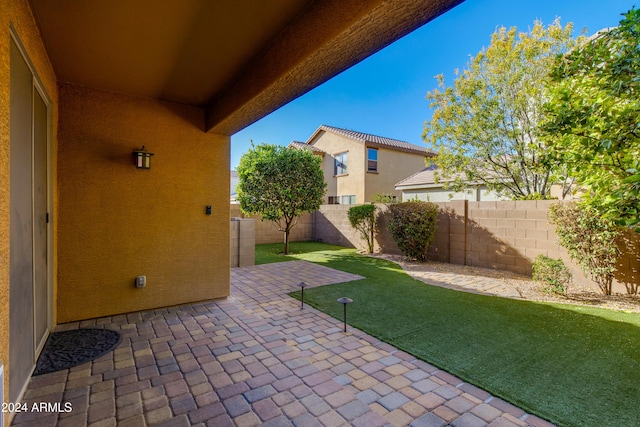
[286, 241]
[371, 242]
[287, 229]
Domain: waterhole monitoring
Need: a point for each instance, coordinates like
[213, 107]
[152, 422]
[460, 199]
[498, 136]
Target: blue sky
[385, 94]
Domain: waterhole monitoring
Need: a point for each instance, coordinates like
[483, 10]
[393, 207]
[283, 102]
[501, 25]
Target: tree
[485, 126]
[590, 239]
[594, 116]
[280, 184]
[363, 219]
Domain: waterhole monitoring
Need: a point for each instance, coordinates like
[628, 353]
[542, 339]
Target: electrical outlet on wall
[141, 281]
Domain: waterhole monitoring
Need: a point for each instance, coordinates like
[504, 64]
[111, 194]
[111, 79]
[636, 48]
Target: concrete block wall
[509, 235]
[384, 243]
[267, 232]
[504, 235]
[332, 226]
[242, 242]
[629, 264]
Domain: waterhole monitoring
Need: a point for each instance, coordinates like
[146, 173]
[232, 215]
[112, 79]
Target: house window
[372, 160]
[334, 200]
[340, 164]
[349, 200]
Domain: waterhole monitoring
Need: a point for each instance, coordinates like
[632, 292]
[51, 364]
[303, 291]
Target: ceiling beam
[326, 39]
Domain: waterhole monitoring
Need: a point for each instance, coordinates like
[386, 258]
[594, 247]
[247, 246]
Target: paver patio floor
[257, 359]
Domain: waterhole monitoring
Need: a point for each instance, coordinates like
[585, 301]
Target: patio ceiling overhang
[239, 60]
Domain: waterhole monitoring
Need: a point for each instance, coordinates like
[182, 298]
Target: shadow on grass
[572, 365]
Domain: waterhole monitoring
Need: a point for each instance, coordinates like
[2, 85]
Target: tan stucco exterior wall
[354, 181]
[18, 14]
[393, 166]
[351, 183]
[117, 222]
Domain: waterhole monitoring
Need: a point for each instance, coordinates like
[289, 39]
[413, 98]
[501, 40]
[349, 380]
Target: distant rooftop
[426, 177]
[373, 140]
[298, 144]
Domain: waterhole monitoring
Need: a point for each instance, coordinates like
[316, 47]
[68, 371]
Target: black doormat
[64, 350]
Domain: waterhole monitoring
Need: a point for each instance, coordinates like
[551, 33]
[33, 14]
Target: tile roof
[374, 140]
[300, 145]
[426, 177]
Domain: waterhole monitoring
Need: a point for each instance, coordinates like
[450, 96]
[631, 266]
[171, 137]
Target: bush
[553, 273]
[385, 198]
[590, 240]
[413, 227]
[363, 219]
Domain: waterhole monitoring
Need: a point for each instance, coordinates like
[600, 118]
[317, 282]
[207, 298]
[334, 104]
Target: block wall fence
[267, 232]
[242, 242]
[503, 235]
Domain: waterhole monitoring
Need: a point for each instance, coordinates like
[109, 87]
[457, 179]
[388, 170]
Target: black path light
[344, 301]
[302, 285]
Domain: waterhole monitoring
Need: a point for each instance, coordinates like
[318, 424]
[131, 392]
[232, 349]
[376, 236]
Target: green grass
[572, 365]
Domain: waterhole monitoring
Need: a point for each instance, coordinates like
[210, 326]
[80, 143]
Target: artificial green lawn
[572, 365]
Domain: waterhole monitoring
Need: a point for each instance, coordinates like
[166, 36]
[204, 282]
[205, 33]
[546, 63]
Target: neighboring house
[423, 186]
[233, 185]
[84, 85]
[358, 165]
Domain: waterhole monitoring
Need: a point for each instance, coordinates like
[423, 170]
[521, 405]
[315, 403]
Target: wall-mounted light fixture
[142, 158]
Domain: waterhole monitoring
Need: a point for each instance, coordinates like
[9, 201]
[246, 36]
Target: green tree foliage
[485, 126]
[413, 227]
[590, 239]
[594, 119]
[280, 184]
[363, 219]
[385, 198]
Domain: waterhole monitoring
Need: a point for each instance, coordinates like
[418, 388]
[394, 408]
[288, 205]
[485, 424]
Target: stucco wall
[393, 167]
[351, 183]
[19, 15]
[4, 192]
[117, 222]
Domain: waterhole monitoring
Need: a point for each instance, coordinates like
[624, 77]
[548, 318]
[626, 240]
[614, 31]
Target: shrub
[413, 227]
[590, 240]
[553, 273]
[384, 198]
[363, 219]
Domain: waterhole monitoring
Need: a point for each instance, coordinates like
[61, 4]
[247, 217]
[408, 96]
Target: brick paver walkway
[257, 359]
[466, 283]
[466, 279]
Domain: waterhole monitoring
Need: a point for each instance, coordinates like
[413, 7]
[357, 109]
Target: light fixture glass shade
[142, 158]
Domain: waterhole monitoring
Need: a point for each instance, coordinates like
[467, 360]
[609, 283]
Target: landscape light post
[302, 285]
[344, 301]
